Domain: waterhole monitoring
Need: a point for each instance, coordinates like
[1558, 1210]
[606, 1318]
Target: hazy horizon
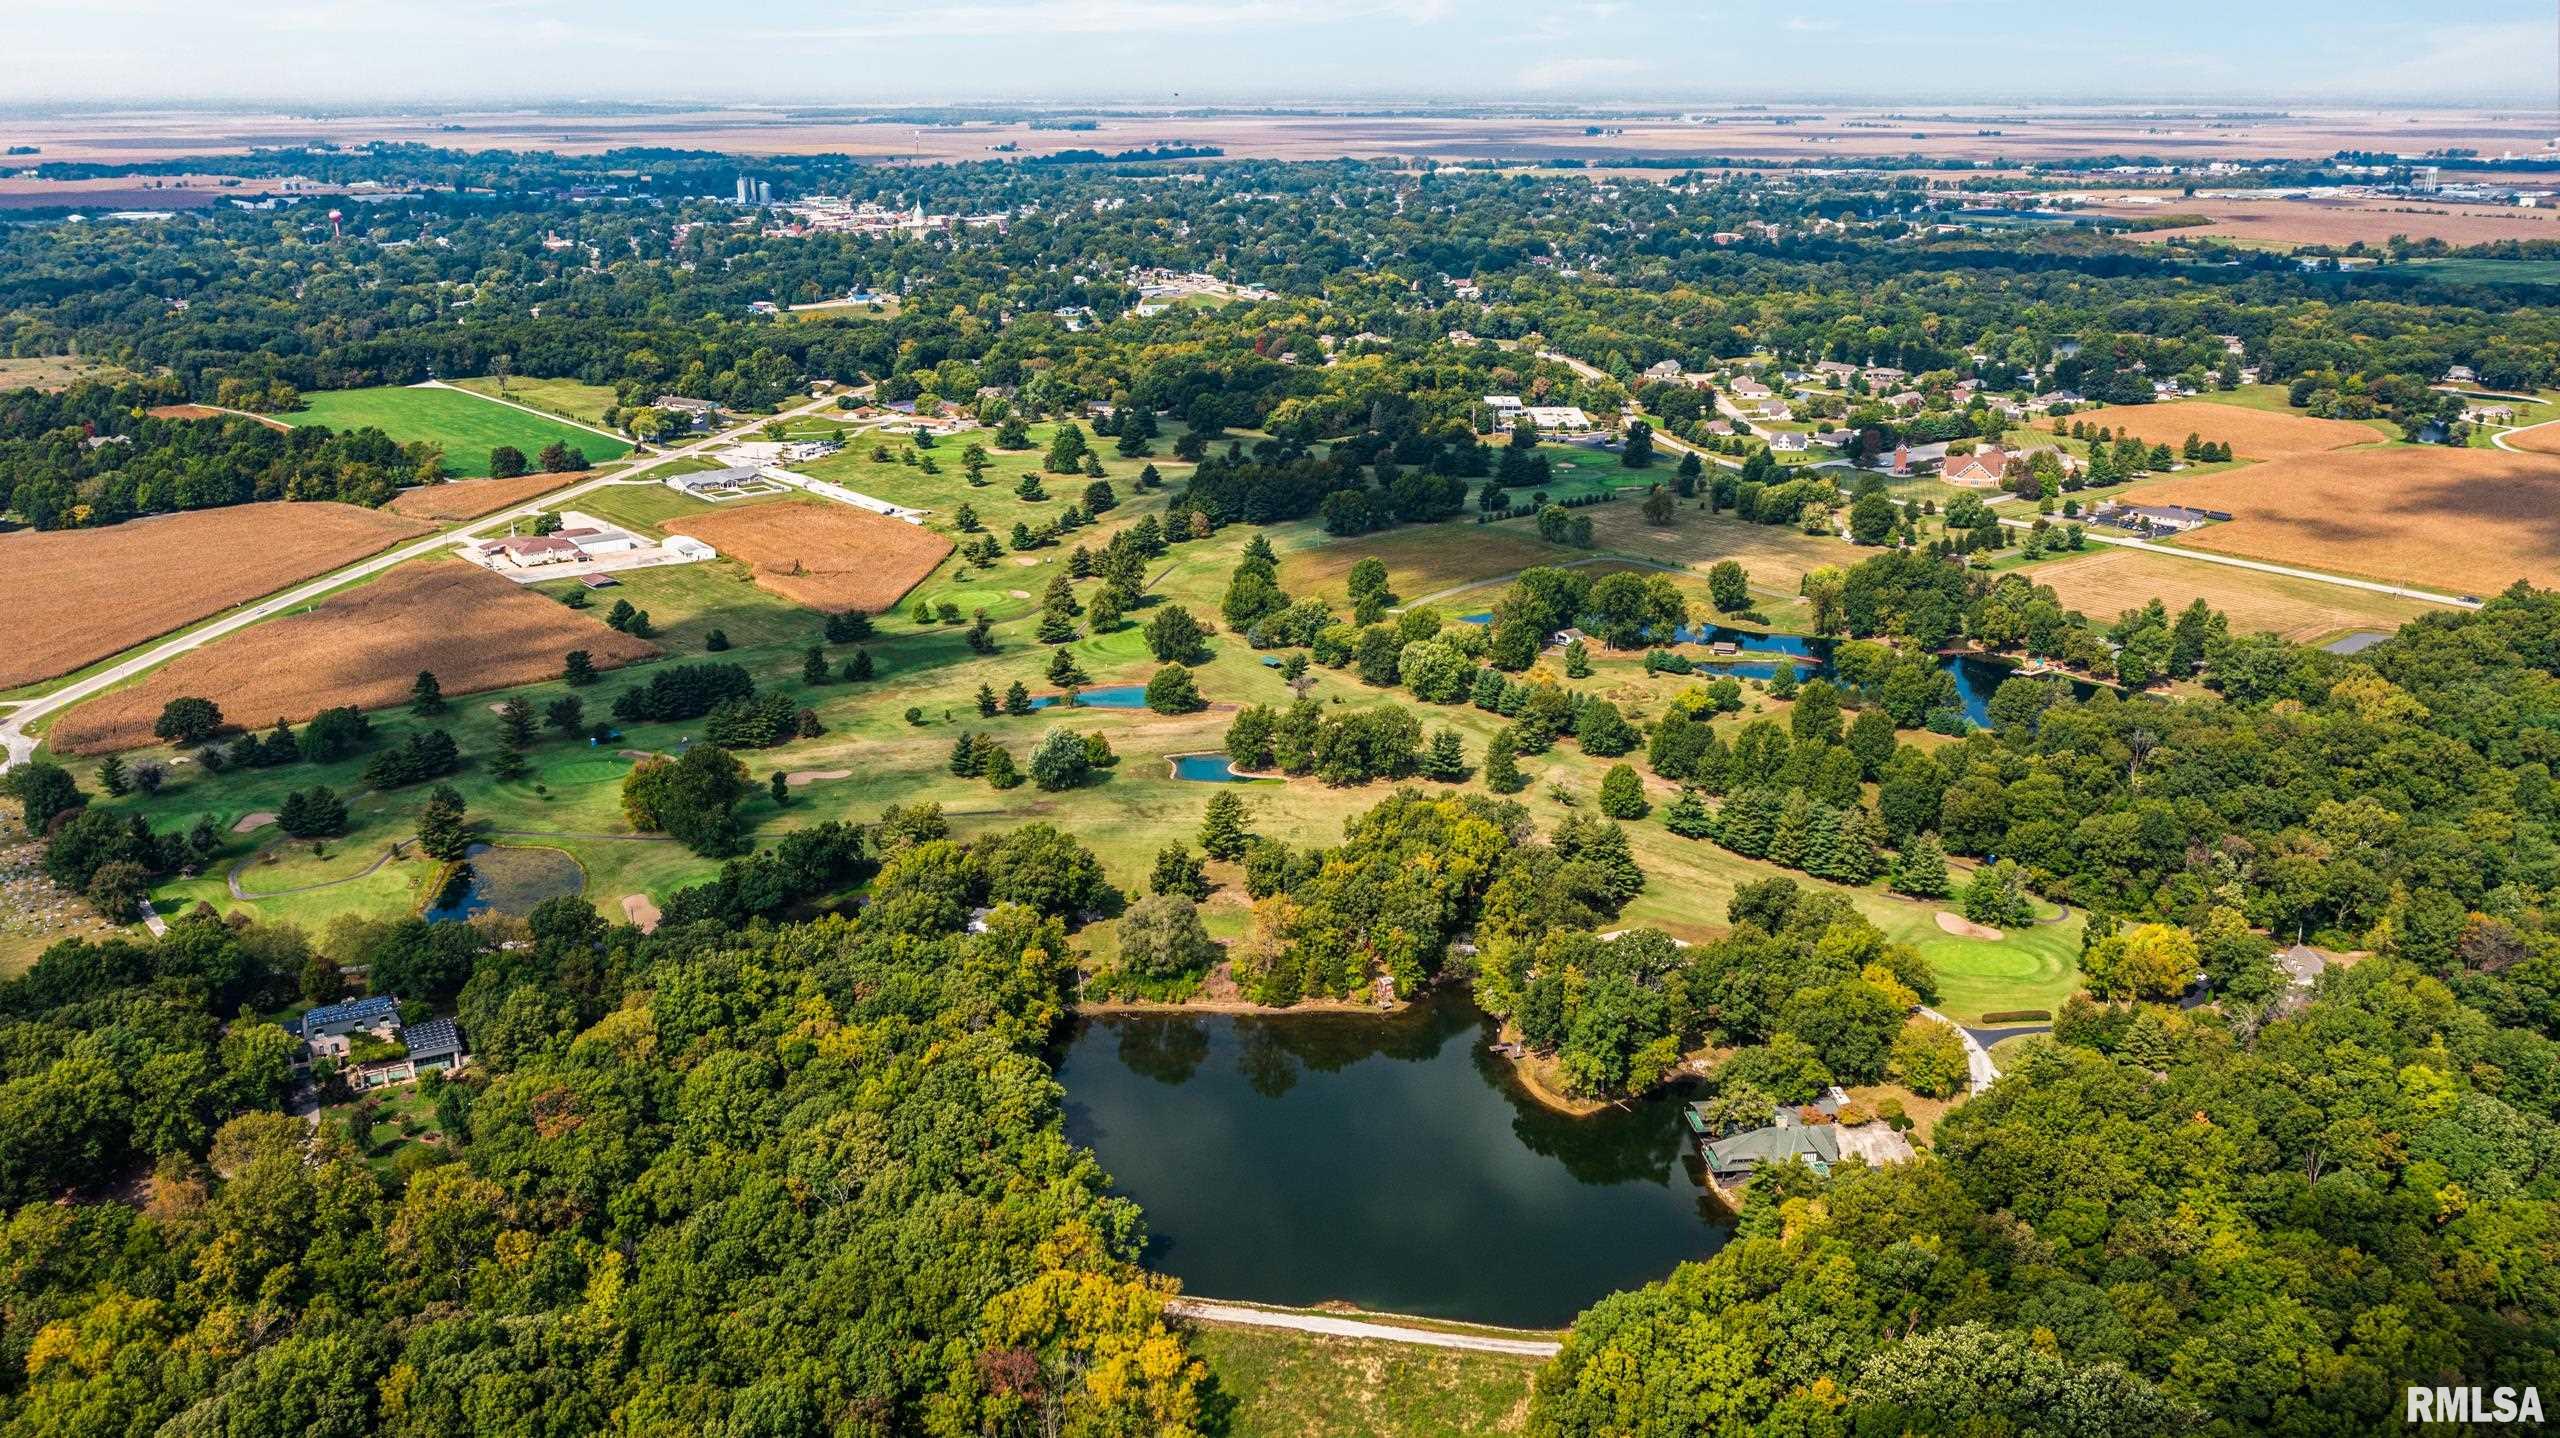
[336, 55]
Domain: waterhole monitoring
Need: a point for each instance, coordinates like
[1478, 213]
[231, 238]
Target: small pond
[1208, 769]
[1108, 696]
[506, 879]
[1391, 1161]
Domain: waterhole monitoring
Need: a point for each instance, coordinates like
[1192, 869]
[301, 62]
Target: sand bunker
[250, 823]
[1964, 928]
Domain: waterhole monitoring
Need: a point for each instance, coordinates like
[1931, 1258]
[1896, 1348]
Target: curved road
[21, 746]
[1206, 1310]
[2501, 437]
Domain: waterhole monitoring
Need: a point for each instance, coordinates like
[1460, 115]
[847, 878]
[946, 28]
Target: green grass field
[585, 403]
[1133, 811]
[467, 426]
[1302, 1385]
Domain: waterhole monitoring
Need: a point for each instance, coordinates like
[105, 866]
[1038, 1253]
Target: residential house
[365, 1039]
[694, 414]
[1909, 401]
[2155, 519]
[1985, 468]
[1665, 371]
[1749, 391]
[1911, 459]
[1787, 441]
[2461, 374]
[2490, 414]
[1883, 376]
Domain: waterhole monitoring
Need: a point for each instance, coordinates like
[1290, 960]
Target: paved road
[1210, 1311]
[2500, 439]
[21, 746]
[1980, 1070]
[2233, 561]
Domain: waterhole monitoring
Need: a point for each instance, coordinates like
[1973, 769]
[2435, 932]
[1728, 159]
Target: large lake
[1393, 1162]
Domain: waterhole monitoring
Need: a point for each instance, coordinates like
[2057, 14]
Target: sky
[355, 52]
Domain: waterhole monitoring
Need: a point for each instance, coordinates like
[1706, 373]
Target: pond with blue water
[1108, 696]
[506, 879]
[1210, 769]
[1394, 1162]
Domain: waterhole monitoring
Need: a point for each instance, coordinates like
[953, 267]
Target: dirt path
[1205, 1310]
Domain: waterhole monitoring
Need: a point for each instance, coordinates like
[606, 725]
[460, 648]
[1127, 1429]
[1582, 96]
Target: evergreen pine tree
[1501, 763]
[1920, 870]
[860, 666]
[1688, 816]
[1622, 793]
[1222, 831]
[426, 696]
[1000, 769]
[986, 701]
[1446, 759]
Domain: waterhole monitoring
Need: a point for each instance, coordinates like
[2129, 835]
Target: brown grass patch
[2538, 439]
[2469, 520]
[78, 595]
[471, 498]
[825, 556]
[364, 647]
[1420, 559]
[2251, 433]
[2108, 581]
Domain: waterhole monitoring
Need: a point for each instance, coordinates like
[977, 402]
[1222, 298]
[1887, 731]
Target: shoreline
[1530, 1072]
[1237, 1006]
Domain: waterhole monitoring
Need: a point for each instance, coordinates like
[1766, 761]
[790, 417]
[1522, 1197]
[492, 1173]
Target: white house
[1787, 441]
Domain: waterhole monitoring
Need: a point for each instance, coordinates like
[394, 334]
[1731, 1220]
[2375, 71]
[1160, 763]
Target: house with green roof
[1734, 1157]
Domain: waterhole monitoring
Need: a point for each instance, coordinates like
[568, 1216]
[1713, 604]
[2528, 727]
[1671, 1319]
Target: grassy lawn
[585, 403]
[649, 506]
[1303, 1385]
[1133, 811]
[686, 602]
[466, 426]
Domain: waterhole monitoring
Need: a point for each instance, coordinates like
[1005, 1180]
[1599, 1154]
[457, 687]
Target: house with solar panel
[364, 1040]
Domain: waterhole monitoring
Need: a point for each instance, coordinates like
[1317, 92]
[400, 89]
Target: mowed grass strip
[565, 397]
[77, 596]
[1305, 1385]
[466, 426]
[364, 647]
[825, 556]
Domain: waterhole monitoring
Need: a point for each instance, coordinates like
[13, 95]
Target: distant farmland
[364, 647]
[466, 425]
[79, 595]
[2471, 521]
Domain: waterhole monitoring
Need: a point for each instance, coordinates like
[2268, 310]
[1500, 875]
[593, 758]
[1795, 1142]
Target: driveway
[1203, 1310]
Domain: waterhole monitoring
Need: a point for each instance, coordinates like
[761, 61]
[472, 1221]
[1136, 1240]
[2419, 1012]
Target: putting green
[584, 771]
[1986, 959]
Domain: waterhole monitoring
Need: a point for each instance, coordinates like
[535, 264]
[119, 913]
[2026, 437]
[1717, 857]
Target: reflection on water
[1392, 1161]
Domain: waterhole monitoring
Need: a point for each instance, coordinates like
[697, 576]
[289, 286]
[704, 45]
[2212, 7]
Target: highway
[20, 745]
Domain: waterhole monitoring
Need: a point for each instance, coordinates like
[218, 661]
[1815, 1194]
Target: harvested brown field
[364, 647]
[2284, 224]
[79, 595]
[206, 411]
[2108, 581]
[471, 498]
[825, 556]
[1783, 132]
[2251, 433]
[2537, 439]
[2467, 520]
